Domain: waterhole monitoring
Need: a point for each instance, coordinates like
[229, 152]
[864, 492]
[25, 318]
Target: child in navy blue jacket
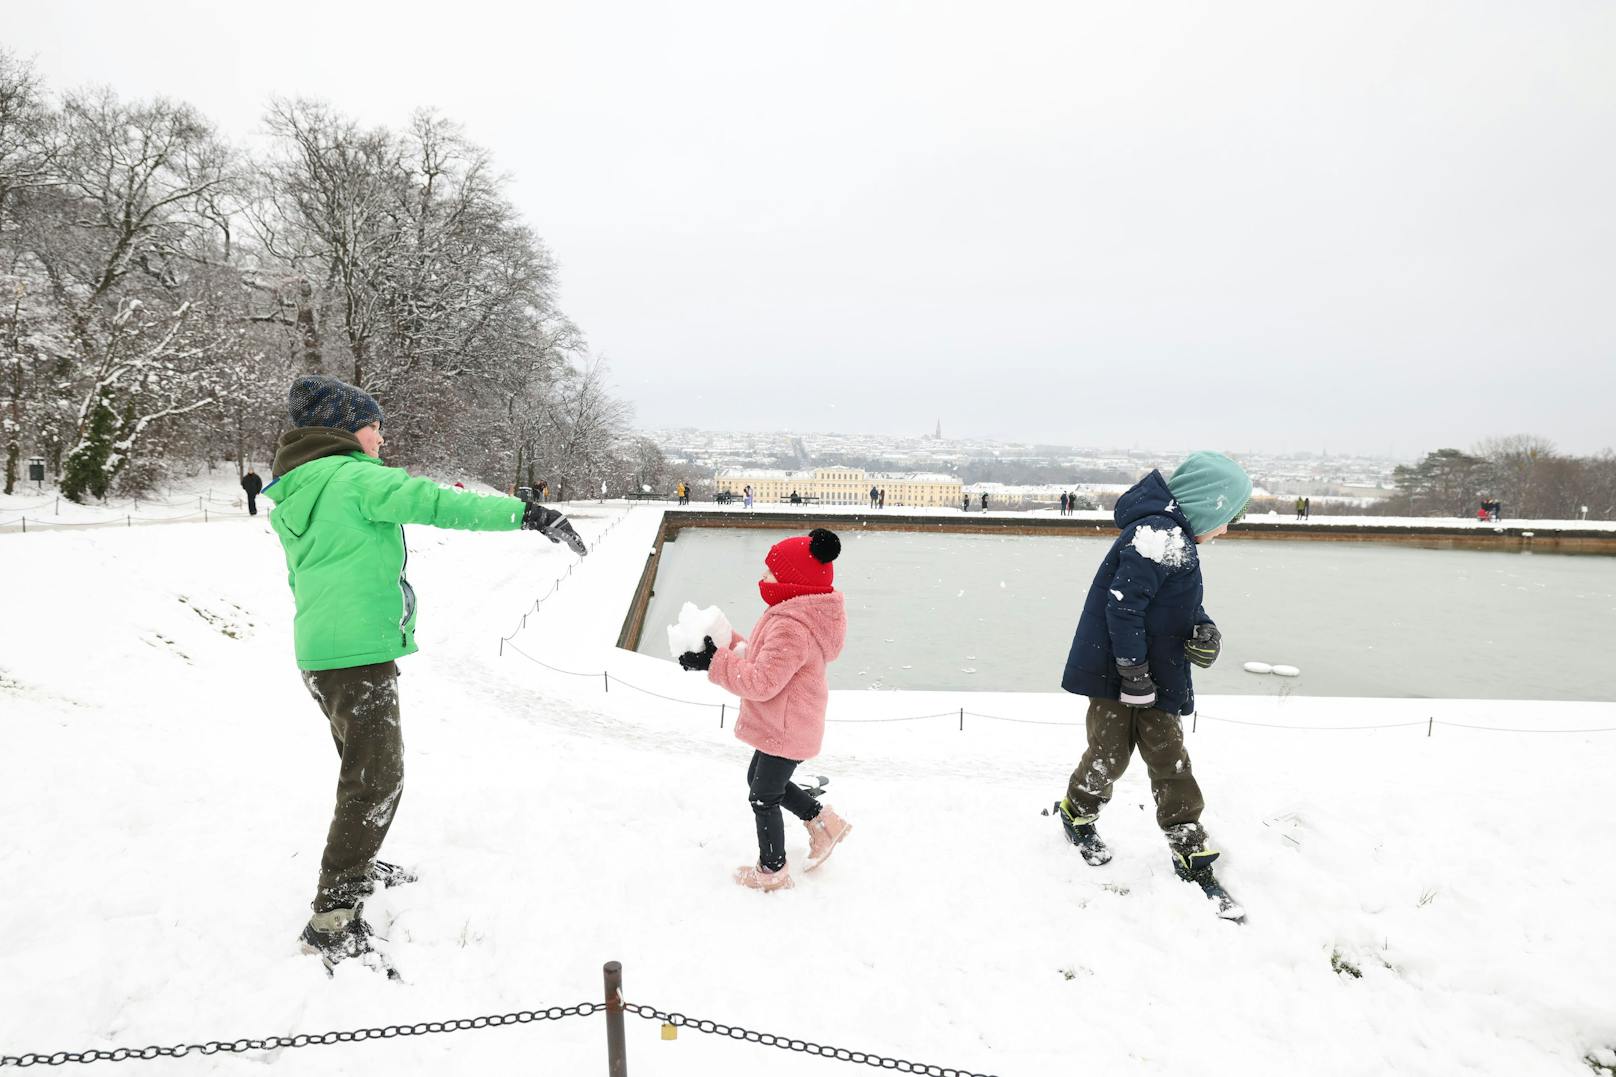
[1141, 628]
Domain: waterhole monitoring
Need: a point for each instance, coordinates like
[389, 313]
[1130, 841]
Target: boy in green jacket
[340, 514]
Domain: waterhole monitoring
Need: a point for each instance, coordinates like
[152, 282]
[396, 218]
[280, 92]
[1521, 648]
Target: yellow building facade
[847, 486]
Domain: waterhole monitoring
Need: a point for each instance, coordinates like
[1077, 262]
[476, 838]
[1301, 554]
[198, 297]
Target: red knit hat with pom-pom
[801, 566]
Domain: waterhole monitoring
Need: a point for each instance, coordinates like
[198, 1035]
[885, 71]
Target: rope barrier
[1308, 728]
[659, 695]
[1018, 721]
[1506, 729]
[910, 718]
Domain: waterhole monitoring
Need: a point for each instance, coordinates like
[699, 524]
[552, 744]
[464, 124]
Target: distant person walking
[1064, 503]
[746, 491]
[1307, 508]
[252, 485]
[965, 502]
[872, 497]
[1298, 508]
[881, 498]
[984, 501]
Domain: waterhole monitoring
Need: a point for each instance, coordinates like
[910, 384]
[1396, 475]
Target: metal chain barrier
[791, 1043]
[273, 1043]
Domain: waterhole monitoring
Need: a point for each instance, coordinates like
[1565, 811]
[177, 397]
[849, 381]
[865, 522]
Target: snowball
[694, 626]
[1287, 671]
[1258, 667]
[1165, 547]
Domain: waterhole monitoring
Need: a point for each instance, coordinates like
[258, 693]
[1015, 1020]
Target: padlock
[670, 1032]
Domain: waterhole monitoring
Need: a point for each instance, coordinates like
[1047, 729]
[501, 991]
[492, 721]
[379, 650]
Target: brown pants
[1114, 731]
[361, 703]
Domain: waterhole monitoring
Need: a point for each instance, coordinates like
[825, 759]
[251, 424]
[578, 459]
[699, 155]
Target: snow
[167, 782]
[1258, 667]
[1165, 546]
[1286, 671]
[695, 627]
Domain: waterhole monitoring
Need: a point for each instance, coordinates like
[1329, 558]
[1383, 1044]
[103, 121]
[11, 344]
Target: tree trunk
[307, 328]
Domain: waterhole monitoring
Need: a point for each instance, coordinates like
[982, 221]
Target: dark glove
[1204, 645]
[552, 525]
[1138, 690]
[701, 659]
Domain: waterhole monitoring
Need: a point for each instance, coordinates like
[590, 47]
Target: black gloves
[1204, 645]
[1138, 690]
[549, 523]
[701, 659]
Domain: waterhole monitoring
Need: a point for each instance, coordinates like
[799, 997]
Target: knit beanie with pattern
[316, 400]
[1211, 490]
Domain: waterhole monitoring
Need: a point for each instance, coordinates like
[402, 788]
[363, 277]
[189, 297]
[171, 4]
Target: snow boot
[756, 878]
[825, 831]
[1080, 832]
[337, 934]
[385, 876]
[1192, 860]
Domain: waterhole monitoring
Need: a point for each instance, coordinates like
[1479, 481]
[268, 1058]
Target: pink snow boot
[756, 878]
[825, 830]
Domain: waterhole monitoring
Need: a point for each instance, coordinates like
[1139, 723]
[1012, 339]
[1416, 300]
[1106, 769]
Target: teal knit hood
[1211, 490]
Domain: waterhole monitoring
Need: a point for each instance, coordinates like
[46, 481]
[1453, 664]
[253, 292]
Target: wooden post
[616, 1050]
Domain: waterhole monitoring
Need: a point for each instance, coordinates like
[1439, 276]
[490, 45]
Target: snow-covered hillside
[165, 784]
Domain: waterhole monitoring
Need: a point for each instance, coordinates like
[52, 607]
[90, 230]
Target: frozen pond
[989, 613]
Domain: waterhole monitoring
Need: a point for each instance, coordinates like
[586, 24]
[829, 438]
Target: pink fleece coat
[780, 674]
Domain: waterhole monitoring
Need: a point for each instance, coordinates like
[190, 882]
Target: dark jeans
[361, 704]
[252, 504]
[769, 786]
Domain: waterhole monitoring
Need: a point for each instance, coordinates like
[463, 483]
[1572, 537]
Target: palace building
[840, 486]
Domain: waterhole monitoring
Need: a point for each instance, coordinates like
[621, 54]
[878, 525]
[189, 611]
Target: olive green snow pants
[1114, 730]
[361, 703]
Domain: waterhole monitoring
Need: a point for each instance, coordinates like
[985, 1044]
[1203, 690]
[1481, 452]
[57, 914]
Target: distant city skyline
[1142, 446]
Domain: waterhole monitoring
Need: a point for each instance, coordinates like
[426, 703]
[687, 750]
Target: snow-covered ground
[165, 784]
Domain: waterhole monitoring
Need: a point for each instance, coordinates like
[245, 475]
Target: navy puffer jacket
[1144, 602]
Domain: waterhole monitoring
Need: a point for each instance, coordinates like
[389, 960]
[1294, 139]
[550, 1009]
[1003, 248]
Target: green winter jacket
[340, 515]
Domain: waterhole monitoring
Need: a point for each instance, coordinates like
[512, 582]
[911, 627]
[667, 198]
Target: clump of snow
[1258, 667]
[1287, 671]
[694, 626]
[1165, 546]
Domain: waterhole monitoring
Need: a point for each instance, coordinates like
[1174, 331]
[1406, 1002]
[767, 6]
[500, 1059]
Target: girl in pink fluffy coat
[779, 674]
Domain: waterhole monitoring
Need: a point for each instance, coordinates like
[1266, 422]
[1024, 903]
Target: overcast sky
[1372, 226]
